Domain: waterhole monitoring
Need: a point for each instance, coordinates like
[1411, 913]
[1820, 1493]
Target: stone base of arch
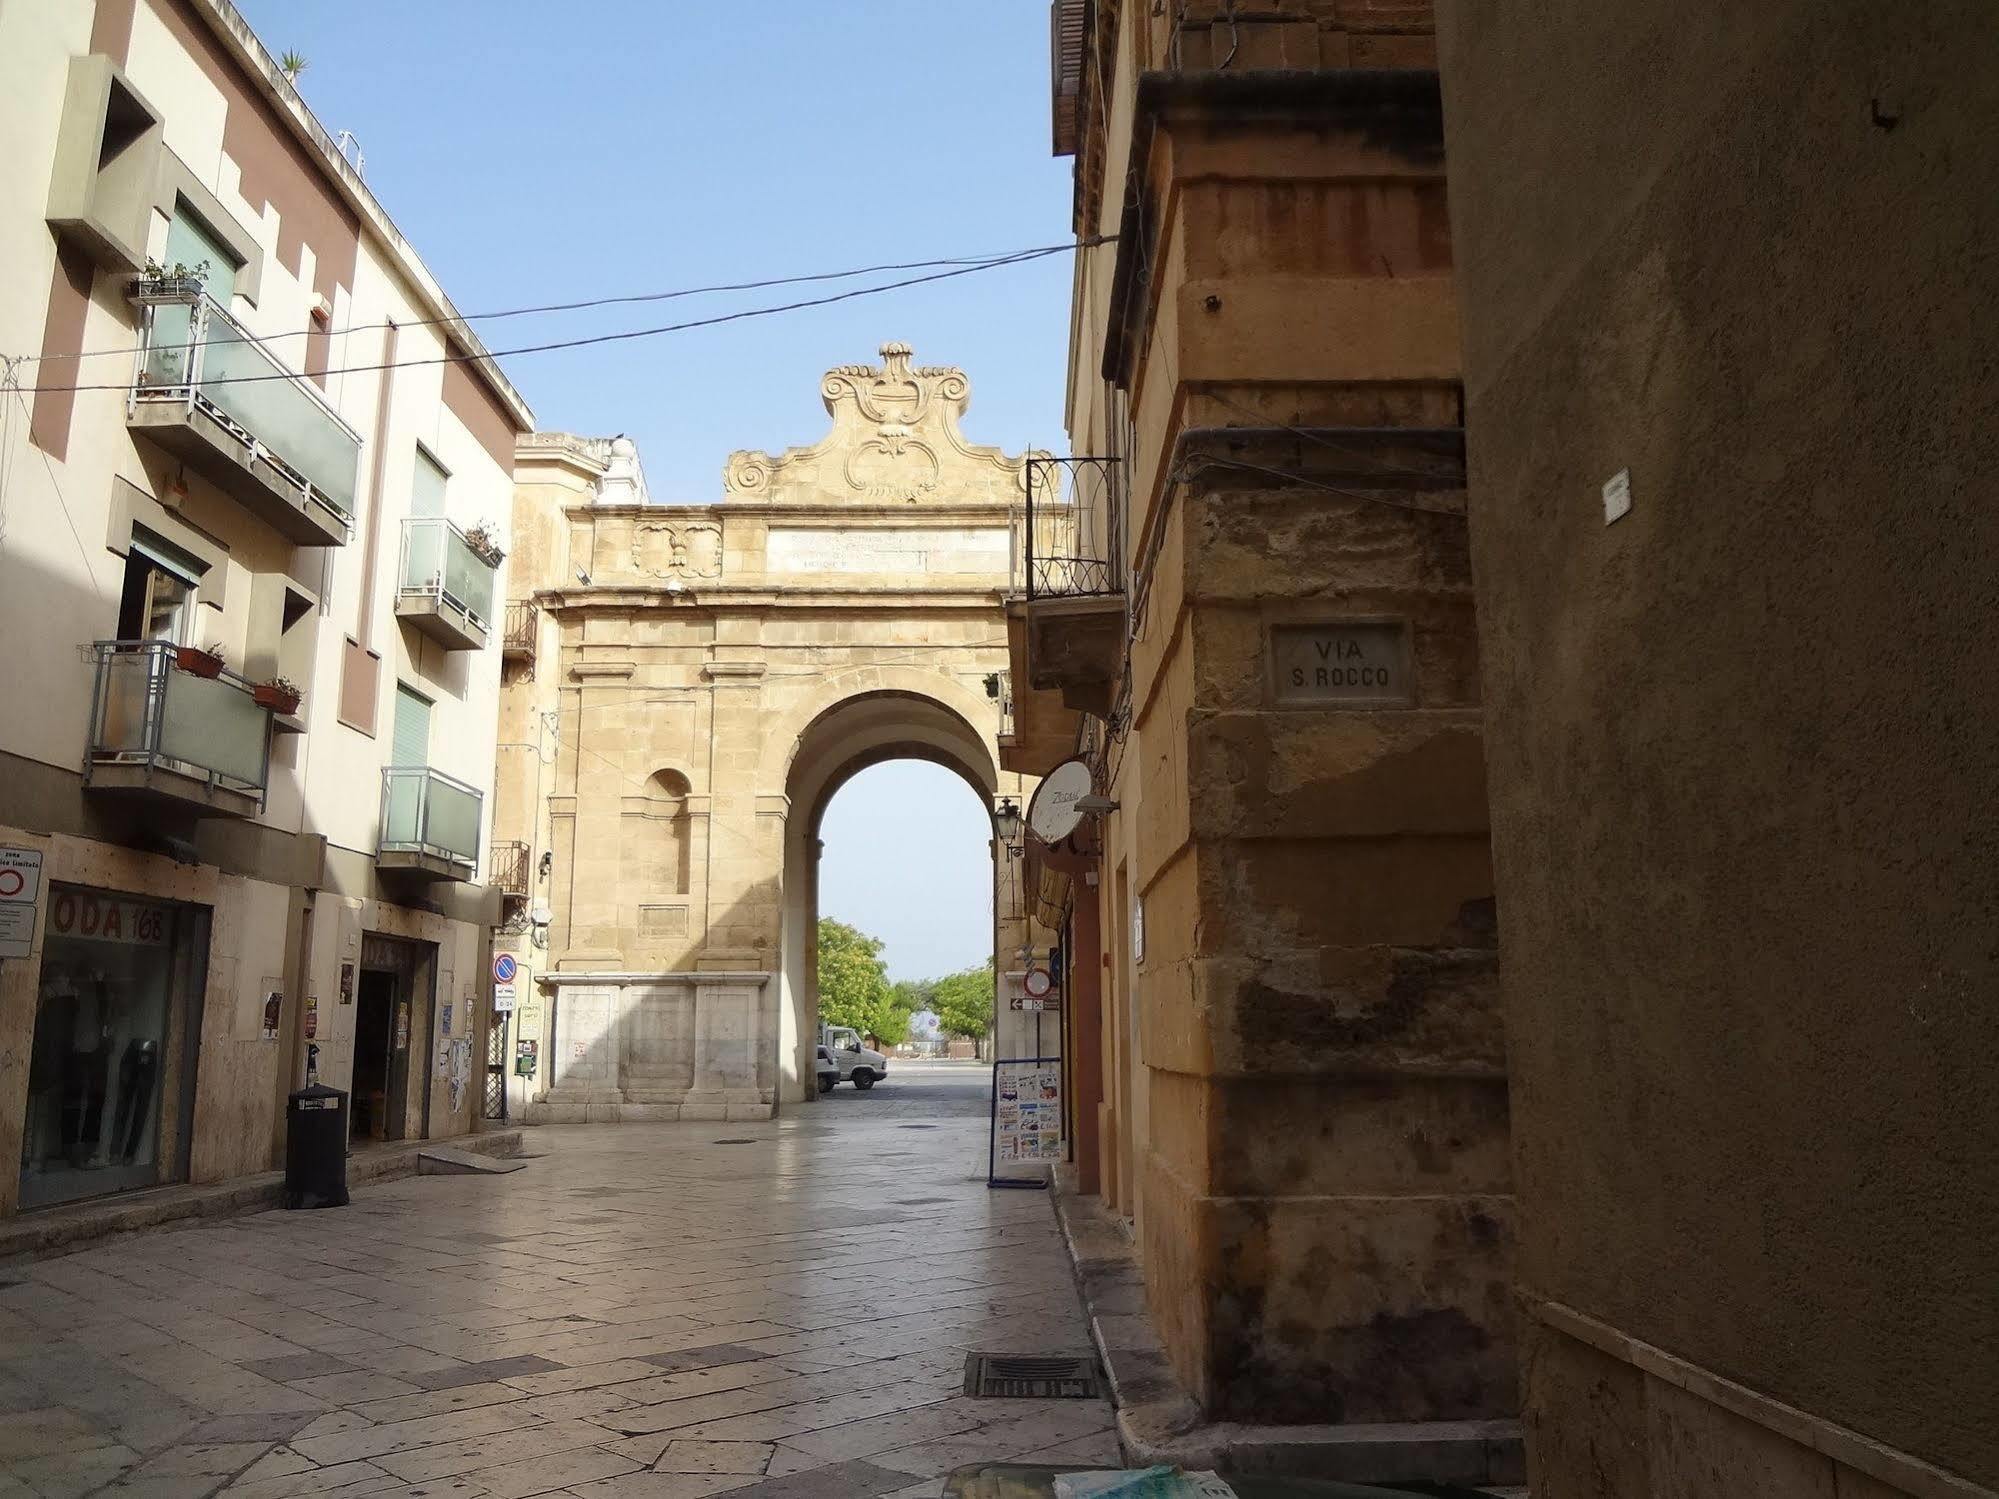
[631, 1047]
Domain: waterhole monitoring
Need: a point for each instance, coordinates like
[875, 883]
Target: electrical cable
[1308, 435]
[624, 335]
[591, 302]
[89, 571]
[1213, 460]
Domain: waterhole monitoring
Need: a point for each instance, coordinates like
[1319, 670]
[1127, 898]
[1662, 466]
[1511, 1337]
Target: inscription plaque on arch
[1342, 664]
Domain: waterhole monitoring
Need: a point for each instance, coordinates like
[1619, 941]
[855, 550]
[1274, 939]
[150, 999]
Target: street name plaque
[1342, 664]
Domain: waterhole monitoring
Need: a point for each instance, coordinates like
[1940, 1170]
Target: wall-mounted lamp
[992, 684]
[1006, 820]
[547, 862]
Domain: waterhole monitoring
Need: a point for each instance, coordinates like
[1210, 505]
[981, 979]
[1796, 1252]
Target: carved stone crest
[895, 440]
[677, 549]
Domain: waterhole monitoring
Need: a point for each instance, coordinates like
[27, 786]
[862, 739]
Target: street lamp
[1006, 822]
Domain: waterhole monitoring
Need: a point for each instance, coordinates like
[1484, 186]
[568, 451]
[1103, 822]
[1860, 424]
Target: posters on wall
[1027, 1111]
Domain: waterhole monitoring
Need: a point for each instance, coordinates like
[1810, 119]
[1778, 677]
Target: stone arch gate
[688, 686]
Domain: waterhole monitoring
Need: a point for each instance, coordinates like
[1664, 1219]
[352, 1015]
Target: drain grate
[732, 1142]
[1010, 1376]
[916, 1126]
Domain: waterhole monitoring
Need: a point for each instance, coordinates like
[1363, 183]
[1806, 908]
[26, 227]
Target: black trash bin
[316, 1148]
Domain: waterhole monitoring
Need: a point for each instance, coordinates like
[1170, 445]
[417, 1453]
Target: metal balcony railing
[146, 712]
[429, 813]
[440, 564]
[517, 636]
[193, 353]
[510, 868]
[1075, 526]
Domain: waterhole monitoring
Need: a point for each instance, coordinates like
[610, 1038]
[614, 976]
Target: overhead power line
[626, 299]
[1016, 258]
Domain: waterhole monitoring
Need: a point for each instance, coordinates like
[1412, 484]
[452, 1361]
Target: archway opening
[903, 930]
[885, 729]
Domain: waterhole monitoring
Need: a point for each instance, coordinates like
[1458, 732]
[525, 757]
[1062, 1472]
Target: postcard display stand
[1027, 1120]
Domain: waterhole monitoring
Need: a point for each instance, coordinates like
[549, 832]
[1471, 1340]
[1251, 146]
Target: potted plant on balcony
[200, 661]
[485, 545]
[279, 695]
[173, 283]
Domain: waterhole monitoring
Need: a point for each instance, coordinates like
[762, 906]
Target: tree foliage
[853, 985]
[964, 1001]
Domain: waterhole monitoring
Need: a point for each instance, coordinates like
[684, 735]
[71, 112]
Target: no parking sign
[504, 968]
[20, 890]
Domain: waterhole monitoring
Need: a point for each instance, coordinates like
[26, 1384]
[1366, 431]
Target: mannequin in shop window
[138, 1071]
[86, 1073]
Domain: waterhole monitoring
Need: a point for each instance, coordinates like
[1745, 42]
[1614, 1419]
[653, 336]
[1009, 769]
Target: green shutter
[189, 243]
[411, 744]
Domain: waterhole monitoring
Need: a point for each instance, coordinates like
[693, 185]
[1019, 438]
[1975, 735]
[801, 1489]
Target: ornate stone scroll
[895, 441]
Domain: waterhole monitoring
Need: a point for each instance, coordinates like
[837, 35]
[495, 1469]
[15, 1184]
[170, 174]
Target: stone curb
[66, 1230]
[1158, 1422]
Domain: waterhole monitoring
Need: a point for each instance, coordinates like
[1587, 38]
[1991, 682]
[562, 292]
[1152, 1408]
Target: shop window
[111, 1076]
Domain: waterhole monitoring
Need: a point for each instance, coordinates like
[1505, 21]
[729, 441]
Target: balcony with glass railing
[209, 391]
[445, 587]
[195, 738]
[430, 824]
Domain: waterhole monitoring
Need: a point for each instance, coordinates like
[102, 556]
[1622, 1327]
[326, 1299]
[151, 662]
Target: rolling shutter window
[427, 487]
[411, 744]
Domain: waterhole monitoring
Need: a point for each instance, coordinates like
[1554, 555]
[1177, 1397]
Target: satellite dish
[1053, 812]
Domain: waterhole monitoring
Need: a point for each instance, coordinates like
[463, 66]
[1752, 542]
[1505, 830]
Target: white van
[852, 1062]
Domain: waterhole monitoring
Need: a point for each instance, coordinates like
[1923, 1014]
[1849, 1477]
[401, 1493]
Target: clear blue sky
[538, 152]
[935, 913]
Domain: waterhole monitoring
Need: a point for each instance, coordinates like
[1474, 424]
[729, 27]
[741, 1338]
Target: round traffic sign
[1036, 982]
[1051, 811]
[504, 967]
[12, 883]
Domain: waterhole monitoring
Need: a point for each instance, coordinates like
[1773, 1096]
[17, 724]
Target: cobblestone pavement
[653, 1311]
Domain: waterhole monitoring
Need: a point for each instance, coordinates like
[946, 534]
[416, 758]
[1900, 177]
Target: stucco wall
[1742, 742]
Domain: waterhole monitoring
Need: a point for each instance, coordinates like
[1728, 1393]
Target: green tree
[853, 985]
[964, 1001]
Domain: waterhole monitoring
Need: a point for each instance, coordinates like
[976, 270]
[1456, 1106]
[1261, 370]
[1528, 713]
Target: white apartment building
[240, 421]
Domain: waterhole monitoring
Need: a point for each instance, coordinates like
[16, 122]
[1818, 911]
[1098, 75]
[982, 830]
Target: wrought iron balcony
[430, 824]
[1075, 526]
[196, 738]
[509, 869]
[209, 391]
[445, 587]
[517, 635]
[1071, 618]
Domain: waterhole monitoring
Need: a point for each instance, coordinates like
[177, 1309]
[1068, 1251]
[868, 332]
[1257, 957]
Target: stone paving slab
[640, 1313]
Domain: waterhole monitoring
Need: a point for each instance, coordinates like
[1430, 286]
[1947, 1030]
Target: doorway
[380, 1105]
[391, 1026]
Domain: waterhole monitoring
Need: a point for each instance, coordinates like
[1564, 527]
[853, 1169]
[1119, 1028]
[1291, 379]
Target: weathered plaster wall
[1742, 744]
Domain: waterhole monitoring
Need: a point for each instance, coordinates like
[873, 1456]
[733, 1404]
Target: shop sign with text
[108, 918]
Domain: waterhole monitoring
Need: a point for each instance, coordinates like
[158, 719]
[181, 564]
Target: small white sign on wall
[20, 892]
[1617, 496]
